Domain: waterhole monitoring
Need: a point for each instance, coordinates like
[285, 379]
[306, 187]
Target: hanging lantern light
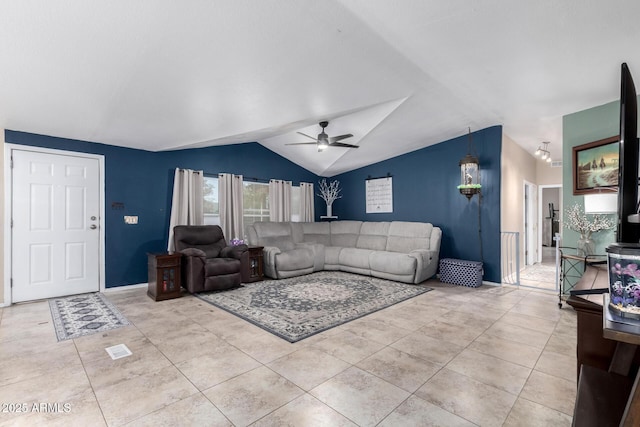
[469, 173]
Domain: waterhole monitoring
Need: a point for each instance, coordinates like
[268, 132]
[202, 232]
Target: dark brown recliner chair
[208, 263]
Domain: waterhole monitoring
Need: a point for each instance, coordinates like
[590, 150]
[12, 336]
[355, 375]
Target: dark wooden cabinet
[163, 271]
[608, 359]
[255, 266]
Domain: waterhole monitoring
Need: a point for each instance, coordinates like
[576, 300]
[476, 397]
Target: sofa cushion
[407, 236]
[317, 232]
[297, 259]
[283, 243]
[332, 255]
[354, 257]
[345, 233]
[207, 238]
[276, 234]
[220, 266]
[392, 262]
[373, 235]
[296, 232]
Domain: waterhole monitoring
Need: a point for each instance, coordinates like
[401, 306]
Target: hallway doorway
[542, 273]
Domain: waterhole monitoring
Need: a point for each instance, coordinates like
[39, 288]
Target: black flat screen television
[628, 232]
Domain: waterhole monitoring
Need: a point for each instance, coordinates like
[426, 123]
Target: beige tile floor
[454, 356]
[543, 278]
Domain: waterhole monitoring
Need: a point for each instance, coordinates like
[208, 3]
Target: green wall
[580, 128]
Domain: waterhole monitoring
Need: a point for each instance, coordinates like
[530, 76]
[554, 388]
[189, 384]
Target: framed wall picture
[595, 166]
[379, 195]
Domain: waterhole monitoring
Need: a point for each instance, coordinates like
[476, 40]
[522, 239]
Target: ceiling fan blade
[303, 143]
[339, 138]
[304, 134]
[342, 144]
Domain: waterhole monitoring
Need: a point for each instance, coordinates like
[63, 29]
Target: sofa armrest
[193, 269]
[233, 251]
[269, 257]
[427, 261]
[193, 252]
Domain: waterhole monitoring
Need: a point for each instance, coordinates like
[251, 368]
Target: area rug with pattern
[78, 315]
[299, 307]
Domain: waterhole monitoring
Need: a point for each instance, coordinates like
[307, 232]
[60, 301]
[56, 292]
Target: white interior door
[55, 231]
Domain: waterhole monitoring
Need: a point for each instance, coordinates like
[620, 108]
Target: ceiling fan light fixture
[323, 141]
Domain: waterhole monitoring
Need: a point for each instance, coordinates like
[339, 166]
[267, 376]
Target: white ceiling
[398, 75]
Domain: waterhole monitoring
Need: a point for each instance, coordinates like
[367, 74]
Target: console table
[572, 267]
[607, 358]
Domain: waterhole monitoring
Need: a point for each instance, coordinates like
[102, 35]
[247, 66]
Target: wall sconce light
[469, 172]
[543, 152]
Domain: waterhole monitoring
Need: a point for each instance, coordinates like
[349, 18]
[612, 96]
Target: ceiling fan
[323, 140]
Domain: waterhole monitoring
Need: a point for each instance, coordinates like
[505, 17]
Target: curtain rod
[248, 178]
[252, 178]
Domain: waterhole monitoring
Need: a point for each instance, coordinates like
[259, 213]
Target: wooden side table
[607, 394]
[256, 262]
[163, 271]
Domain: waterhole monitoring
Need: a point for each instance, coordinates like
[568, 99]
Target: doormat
[79, 315]
[299, 307]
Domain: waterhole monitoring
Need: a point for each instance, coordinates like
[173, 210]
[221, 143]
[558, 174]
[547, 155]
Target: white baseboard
[125, 287]
[484, 282]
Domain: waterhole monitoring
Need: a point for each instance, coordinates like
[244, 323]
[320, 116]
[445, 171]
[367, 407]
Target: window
[211, 208]
[255, 199]
[295, 203]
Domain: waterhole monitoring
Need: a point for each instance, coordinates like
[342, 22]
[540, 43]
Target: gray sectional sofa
[401, 251]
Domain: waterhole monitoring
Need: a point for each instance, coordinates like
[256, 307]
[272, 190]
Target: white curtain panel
[187, 203]
[279, 200]
[231, 205]
[307, 211]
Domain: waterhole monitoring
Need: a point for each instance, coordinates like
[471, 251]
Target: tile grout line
[386, 345]
[93, 391]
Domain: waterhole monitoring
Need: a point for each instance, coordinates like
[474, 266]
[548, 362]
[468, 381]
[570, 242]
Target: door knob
[93, 226]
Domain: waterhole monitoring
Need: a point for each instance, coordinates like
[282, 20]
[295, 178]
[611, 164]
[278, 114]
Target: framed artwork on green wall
[595, 166]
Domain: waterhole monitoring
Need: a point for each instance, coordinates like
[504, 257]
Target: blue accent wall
[424, 189]
[143, 182]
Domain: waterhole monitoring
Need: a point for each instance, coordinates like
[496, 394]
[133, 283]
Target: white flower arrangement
[578, 221]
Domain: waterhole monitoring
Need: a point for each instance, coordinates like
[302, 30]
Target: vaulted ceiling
[398, 75]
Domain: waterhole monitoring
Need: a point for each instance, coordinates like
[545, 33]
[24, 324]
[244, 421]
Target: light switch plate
[130, 219]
